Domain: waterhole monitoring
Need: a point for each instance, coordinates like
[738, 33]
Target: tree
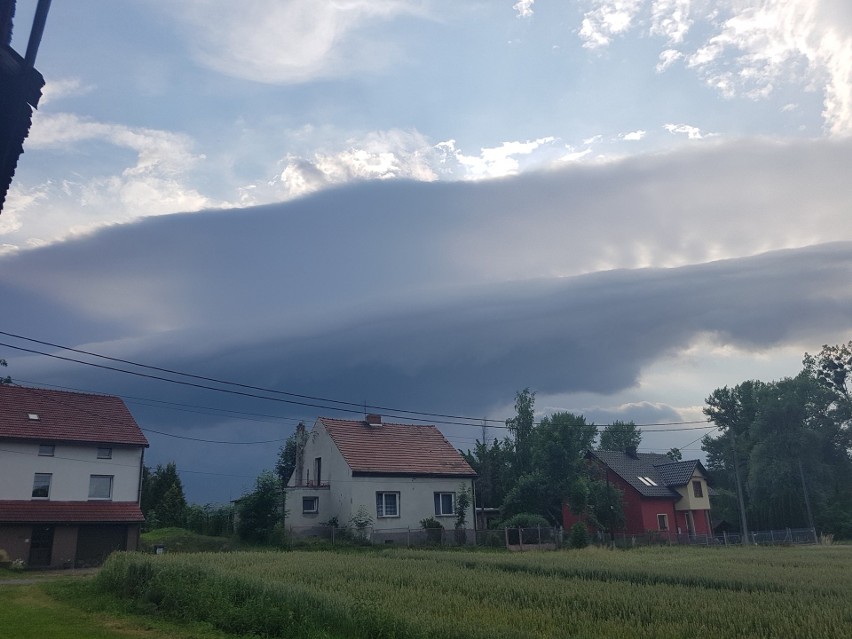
[620, 436]
[171, 509]
[155, 485]
[782, 458]
[557, 448]
[286, 463]
[521, 427]
[7, 379]
[259, 511]
[674, 454]
[494, 468]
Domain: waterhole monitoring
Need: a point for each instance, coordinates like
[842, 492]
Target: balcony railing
[311, 483]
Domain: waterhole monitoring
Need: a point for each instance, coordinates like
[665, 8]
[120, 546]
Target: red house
[660, 495]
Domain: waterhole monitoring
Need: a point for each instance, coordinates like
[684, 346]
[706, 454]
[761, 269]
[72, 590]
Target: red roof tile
[57, 512]
[404, 449]
[65, 416]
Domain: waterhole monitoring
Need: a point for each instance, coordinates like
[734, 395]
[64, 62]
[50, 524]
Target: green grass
[181, 540]
[651, 592]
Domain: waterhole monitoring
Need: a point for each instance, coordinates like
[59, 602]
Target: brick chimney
[630, 451]
[374, 420]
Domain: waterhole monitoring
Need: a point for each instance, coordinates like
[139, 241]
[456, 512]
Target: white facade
[338, 493]
[70, 468]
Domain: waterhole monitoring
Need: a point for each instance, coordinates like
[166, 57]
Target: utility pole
[743, 521]
[807, 500]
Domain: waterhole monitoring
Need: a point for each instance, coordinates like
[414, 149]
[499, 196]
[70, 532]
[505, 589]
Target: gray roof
[659, 469]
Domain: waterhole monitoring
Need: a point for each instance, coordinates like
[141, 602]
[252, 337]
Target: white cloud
[286, 41]
[692, 132]
[493, 162]
[767, 42]
[56, 89]
[607, 18]
[156, 183]
[671, 19]
[524, 8]
[633, 136]
[667, 59]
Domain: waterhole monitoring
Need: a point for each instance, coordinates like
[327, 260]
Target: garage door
[95, 543]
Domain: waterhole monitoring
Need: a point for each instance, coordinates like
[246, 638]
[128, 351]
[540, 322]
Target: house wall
[650, 508]
[335, 500]
[416, 499]
[71, 466]
[688, 500]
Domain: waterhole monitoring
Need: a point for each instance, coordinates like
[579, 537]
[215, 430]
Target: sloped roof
[59, 512]
[66, 416]
[678, 473]
[664, 472]
[395, 449]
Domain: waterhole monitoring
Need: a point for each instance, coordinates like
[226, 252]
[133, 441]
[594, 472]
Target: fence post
[539, 536]
[521, 537]
[408, 537]
[725, 537]
[772, 536]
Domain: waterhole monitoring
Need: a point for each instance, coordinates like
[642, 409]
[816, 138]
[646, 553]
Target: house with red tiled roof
[70, 473]
[399, 474]
[668, 498]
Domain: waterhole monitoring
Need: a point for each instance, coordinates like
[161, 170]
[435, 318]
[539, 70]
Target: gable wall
[335, 500]
[688, 500]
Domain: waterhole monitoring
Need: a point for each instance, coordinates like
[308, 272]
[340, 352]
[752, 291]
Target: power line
[360, 406]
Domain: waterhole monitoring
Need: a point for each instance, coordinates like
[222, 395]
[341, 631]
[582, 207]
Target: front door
[41, 545]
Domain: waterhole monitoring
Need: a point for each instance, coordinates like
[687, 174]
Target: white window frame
[104, 452]
[697, 489]
[309, 511]
[381, 504]
[36, 477]
[46, 450]
[92, 484]
[439, 504]
[664, 521]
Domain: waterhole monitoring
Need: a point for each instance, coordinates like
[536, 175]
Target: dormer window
[33, 417]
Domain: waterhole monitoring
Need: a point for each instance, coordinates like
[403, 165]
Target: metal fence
[539, 538]
[785, 536]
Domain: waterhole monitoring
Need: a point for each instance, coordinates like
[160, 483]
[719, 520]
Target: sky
[426, 206]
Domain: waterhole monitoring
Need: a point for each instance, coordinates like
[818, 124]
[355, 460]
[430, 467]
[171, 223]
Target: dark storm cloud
[447, 297]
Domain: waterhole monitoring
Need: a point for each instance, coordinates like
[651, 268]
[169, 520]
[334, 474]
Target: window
[33, 417]
[41, 485]
[100, 487]
[104, 452]
[445, 504]
[318, 470]
[387, 504]
[663, 522]
[697, 490]
[46, 450]
[310, 504]
[647, 481]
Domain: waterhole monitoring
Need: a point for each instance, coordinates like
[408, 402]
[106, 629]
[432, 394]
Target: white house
[70, 476]
[399, 474]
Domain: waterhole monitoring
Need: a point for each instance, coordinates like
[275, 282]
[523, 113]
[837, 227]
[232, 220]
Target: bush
[579, 535]
[434, 530]
[525, 520]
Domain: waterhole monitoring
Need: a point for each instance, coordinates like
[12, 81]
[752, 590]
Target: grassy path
[32, 611]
